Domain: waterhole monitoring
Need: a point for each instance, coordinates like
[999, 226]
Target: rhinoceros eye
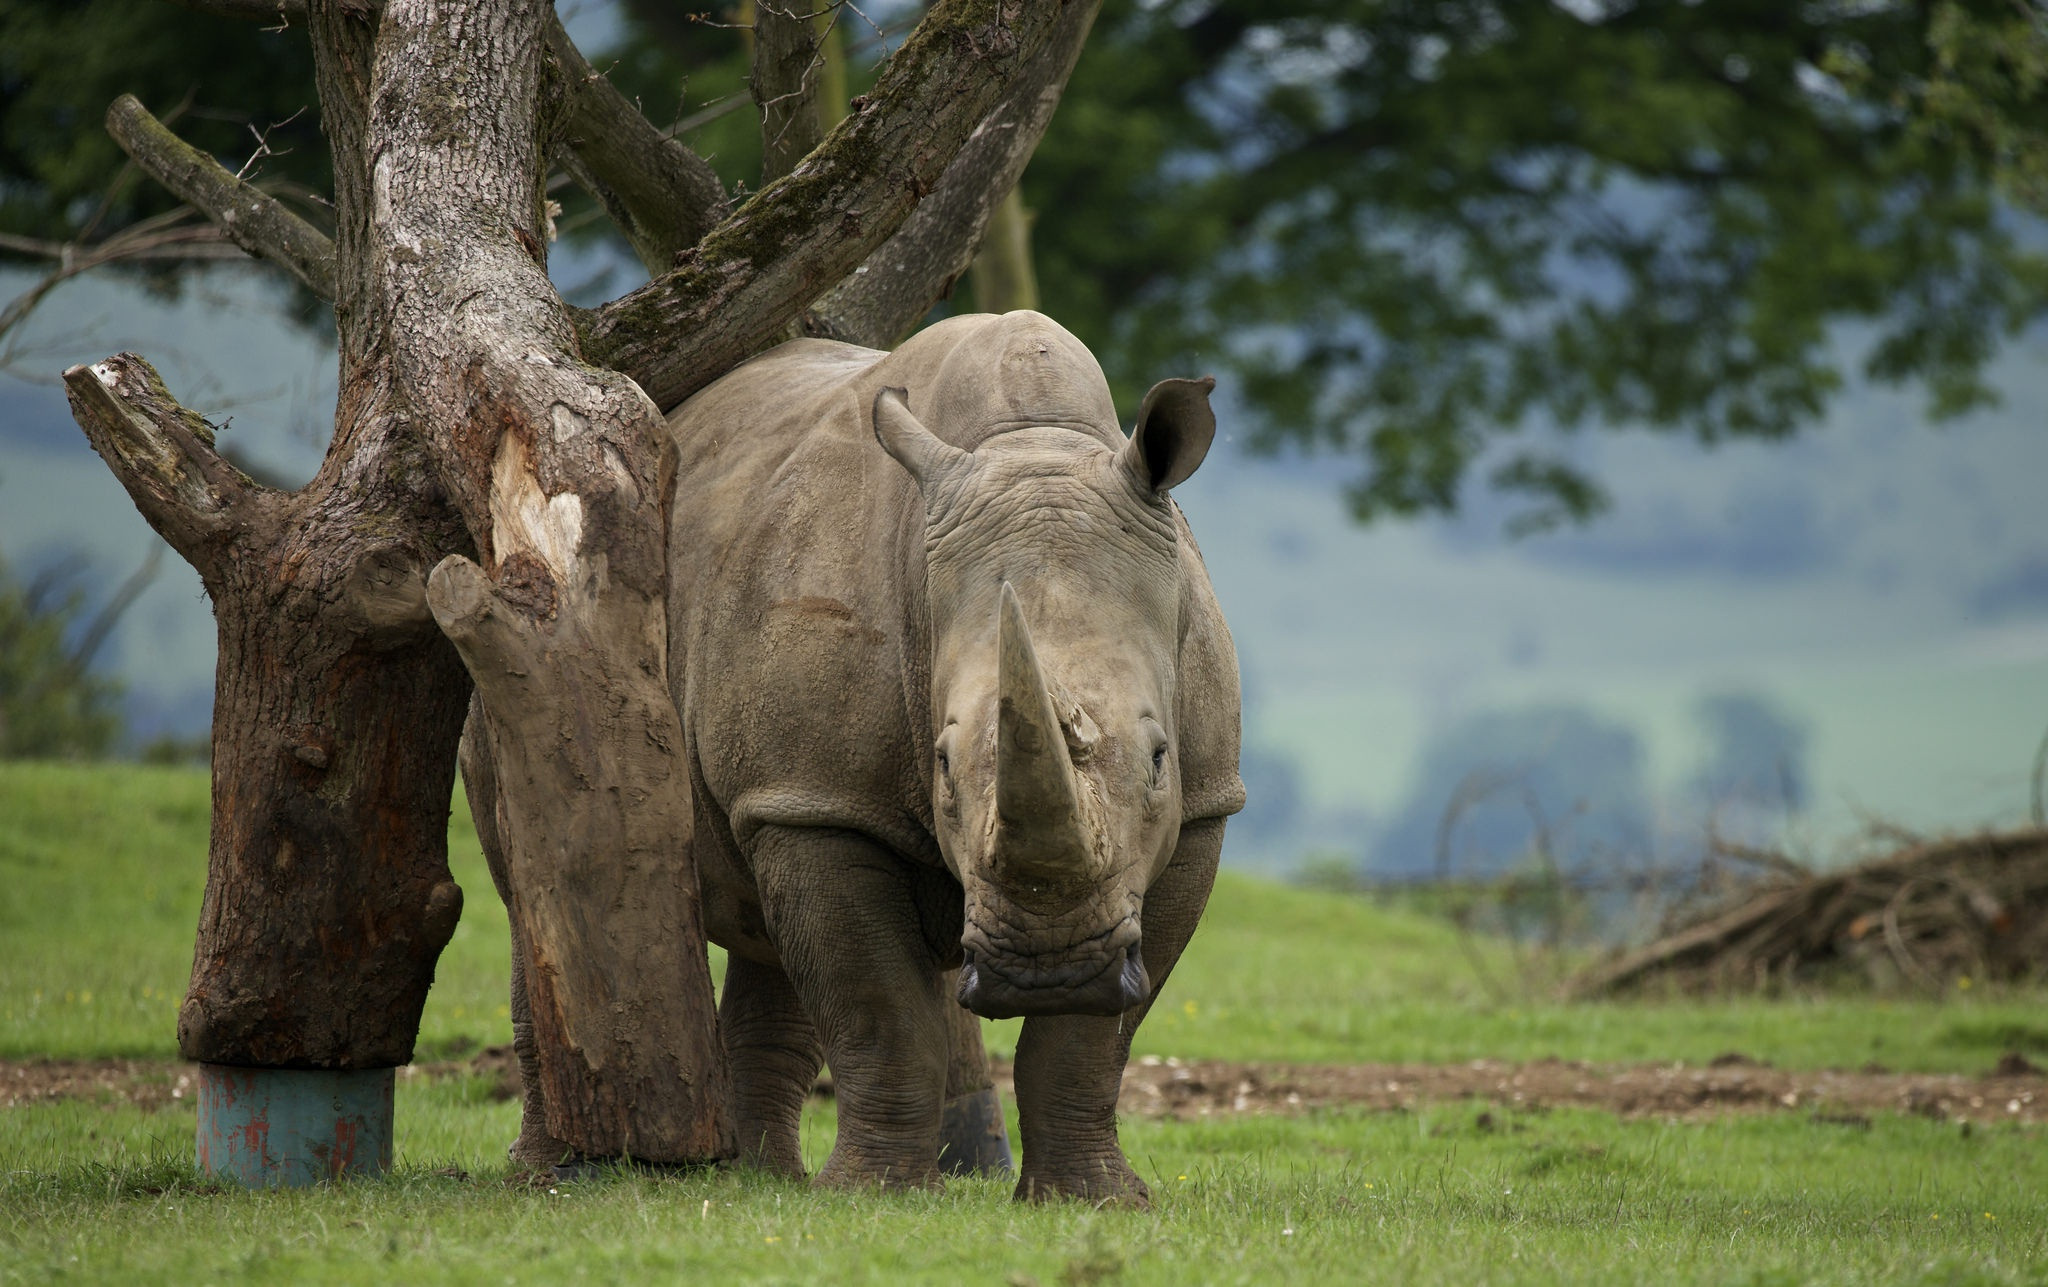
[1158, 761]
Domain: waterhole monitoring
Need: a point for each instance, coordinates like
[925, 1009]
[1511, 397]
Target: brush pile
[1926, 916]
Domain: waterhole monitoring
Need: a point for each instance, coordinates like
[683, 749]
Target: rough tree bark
[336, 711]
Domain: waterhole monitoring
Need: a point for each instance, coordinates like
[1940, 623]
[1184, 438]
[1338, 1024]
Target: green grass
[104, 1193]
[100, 875]
[101, 870]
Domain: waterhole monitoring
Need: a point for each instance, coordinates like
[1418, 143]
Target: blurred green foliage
[63, 61]
[1413, 229]
[52, 703]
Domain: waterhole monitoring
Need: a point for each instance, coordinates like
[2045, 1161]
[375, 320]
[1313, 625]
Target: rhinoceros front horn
[1039, 832]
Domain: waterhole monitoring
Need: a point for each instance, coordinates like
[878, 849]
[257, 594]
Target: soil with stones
[2014, 1090]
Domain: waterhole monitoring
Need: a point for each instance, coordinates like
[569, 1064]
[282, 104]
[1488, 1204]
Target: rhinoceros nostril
[970, 982]
[1136, 986]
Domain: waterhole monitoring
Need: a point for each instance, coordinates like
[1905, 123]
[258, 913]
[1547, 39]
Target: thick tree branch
[752, 275]
[162, 453]
[785, 83]
[662, 195]
[252, 219]
[885, 298]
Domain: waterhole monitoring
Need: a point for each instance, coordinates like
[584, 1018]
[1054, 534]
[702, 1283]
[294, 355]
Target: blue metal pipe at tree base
[289, 1127]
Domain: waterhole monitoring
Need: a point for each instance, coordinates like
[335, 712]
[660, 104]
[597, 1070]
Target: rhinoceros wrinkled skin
[957, 693]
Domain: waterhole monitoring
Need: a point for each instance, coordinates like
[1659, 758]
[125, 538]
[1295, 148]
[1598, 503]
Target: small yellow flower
[1963, 982]
[771, 1238]
[1183, 1177]
[1189, 1007]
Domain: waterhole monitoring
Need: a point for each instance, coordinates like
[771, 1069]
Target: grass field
[100, 873]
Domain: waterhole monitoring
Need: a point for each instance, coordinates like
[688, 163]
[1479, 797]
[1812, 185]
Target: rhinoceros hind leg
[774, 1054]
[972, 1139]
[844, 913]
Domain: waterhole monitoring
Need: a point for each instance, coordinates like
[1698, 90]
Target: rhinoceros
[961, 712]
[957, 694]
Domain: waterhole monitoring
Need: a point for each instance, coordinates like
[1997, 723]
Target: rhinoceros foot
[856, 1172]
[1105, 1182]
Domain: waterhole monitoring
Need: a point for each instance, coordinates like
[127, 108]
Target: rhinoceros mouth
[1004, 985]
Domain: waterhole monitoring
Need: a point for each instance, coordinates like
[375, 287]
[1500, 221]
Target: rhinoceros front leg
[774, 1054]
[853, 923]
[1071, 1067]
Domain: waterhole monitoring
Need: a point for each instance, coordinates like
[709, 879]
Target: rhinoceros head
[1053, 574]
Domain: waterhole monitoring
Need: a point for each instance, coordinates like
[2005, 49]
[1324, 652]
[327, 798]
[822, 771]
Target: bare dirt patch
[1173, 1089]
[2013, 1091]
[146, 1083]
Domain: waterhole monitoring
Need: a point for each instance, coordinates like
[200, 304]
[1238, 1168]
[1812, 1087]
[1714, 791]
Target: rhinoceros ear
[913, 446]
[1175, 428]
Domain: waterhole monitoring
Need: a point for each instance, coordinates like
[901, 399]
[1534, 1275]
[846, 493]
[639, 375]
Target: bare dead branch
[785, 83]
[249, 10]
[111, 612]
[252, 219]
[662, 195]
[172, 236]
[162, 453]
[884, 299]
[751, 276]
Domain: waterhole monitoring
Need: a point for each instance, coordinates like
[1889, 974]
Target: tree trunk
[336, 712]
[556, 468]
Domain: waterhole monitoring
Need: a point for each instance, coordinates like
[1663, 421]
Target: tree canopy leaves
[1417, 231]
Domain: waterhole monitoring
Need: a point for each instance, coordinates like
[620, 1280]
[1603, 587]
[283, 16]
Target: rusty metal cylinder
[290, 1128]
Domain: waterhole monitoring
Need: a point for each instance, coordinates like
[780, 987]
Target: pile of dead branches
[1924, 916]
